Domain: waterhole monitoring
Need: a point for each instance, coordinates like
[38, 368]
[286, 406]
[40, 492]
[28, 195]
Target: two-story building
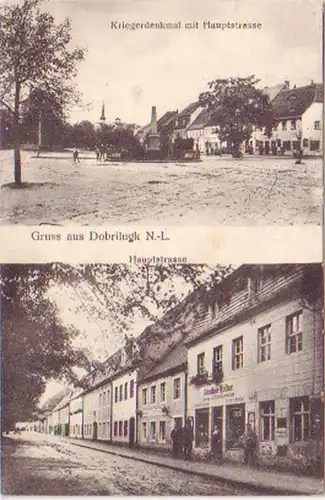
[258, 359]
[124, 406]
[76, 415]
[185, 118]
[162, 399]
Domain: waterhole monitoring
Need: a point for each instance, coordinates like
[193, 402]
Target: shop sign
[220, 391]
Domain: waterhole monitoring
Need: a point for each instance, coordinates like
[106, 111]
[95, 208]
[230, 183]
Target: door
[235, 424]
[95, 431]
[202, 428]
[217, 419]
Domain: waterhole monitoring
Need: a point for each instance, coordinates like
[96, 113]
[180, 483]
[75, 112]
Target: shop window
[300, 419]
[314, 145]
[121, 392]
[152, 435]
[201, 363]
[202, 428]
[287, 145]
[125, 428]
[294, 332]
[317, 125]
[153, 394]
[267, 420]
[293, 125]
[144, 430]
[264, 342]
[237, 353]
[235, 424]
[116, 395]
[163, 392]
[120, 428]
[177, 388]
[125, 390]
[115, 428]
[162, 431]
[144, 396]
[132, 389]
[217, 360]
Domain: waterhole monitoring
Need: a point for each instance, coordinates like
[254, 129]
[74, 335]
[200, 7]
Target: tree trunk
[17, 155]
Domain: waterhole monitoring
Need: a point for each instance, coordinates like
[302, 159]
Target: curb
[256, 487]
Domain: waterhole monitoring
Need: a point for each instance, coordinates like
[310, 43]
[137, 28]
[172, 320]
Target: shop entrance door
[235, 424]
[217, 419]
[202, 428]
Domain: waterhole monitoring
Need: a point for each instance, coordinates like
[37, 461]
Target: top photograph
[161, 112]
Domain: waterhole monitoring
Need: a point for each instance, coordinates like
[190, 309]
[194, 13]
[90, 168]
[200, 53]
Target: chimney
[287, 82]
[153, 124]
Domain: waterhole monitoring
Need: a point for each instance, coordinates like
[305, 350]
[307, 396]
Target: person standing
[187, 435]
[216, 443]
[250, 444]
[176, 437]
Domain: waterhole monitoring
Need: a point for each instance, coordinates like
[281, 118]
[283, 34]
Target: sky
[133, 70]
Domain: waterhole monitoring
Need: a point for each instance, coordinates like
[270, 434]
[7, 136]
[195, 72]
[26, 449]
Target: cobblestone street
[34, 464]
[218, 191]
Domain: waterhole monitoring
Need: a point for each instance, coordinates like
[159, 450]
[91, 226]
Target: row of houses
[248, 351]
[297, 111]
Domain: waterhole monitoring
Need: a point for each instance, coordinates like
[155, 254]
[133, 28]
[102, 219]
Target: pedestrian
[176, 437]
[187, 439]
[299, 156]
[216, 443]
[97, 153]
[76, 156]
[250, 444]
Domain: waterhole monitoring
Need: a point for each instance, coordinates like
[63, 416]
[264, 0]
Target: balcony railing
[205, 378]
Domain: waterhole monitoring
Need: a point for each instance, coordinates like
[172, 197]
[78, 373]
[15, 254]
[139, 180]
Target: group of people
[182, 439]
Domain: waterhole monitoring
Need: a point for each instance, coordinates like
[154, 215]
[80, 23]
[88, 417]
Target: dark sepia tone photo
[161, 112]
[162, 379]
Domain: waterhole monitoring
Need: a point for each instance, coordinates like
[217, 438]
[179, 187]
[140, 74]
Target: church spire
[102, 116]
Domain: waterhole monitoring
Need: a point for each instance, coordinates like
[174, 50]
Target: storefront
[235, 424]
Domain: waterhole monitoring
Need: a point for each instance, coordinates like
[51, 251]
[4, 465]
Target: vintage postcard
[161, 278]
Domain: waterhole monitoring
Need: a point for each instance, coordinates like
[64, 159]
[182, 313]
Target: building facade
[76, 417]
[124, 408]
[259, 360]
[162, 400]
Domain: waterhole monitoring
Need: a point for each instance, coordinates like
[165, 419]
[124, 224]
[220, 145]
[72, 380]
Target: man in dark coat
[250, 444]
[176, 436]
[187, 435]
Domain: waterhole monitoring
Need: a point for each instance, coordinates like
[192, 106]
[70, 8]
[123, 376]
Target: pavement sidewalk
[267, 482]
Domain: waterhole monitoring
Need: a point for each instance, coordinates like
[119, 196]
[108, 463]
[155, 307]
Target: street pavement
[51, 464]
[219, 191]
[34, 464]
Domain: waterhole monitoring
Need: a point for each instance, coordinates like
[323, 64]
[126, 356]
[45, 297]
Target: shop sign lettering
[218, 392]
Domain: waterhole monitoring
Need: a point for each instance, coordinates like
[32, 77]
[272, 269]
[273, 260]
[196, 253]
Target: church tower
[102, 118]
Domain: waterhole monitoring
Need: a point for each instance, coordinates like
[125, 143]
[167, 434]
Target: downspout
[136, 411]
[111, 414]
[185, 395]
[82, 416]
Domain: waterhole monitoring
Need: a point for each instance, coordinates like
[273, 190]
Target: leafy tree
[35, 56]
[239, 106]
[35, 345]
[84, 135]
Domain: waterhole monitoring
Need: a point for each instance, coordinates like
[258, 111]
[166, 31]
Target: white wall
[123, 409]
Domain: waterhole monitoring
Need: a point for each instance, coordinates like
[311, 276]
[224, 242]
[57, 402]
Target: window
[300, 418]
[125, 428]
[284, 125]
[144, 396]
[125, 390]
[293, 125]
[314, 145]
[217, 360]
[115, 428]
[152, 430]
[294, 332]
[153, 394]
[120, 428]
[267, 420]
[100, 401]
[162, 392]
[144, 430]
[264, 340]
[116, 394]
[237, 353]
[177, 388]
[108, 398]
[317, 125]
[201, 363]
[121, 392]
[287, 145]
[132, 389]
[104, 398]
[162, 431]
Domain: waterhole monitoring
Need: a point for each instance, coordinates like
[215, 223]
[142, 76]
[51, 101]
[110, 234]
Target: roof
[174, 359]
[166, 118]
[273, 91]
[201, 120]
[53, 401]
[189, 109]
[294, 102]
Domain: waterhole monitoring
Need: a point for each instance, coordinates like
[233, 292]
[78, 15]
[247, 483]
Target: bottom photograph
[162, 379]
